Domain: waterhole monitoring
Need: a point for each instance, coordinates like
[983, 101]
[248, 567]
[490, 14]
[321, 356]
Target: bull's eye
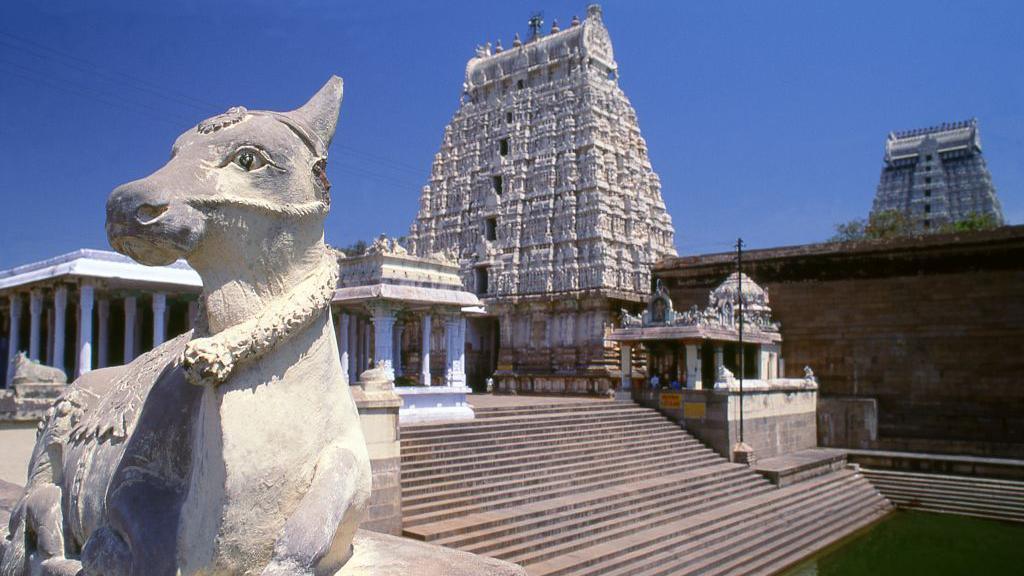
[250, 159]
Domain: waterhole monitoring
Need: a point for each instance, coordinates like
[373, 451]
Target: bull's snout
[131, 203]
[151, 225]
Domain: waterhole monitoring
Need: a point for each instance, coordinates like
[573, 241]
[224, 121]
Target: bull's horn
[320, 114]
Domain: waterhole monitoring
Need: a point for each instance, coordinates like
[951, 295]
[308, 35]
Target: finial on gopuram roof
[535, 22]
[516, 41]
[554, 27]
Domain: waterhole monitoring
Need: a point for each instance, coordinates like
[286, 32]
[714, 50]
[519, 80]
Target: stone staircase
[965, 495]
[611, 488]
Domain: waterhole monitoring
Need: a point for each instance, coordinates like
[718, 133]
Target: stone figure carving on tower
[236, 448]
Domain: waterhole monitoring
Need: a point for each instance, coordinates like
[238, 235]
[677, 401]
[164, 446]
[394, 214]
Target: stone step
[478, 459]
[725, 553]
[747, 537]
[504, 430]
[964, 495]
[501, 537]
[975, 483]
[613, 454]
[604, 489]
[537, 512]
[926, 491]
[455, 428]
[629, 550]
[641, 467]
[579, 407]
[540, 439]
[795, 552]
[843, 517]
[422, 515]
[643, 515]
[556, 402]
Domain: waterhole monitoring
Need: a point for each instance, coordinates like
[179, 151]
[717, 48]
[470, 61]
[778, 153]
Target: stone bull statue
[28, 371]
[236, 449]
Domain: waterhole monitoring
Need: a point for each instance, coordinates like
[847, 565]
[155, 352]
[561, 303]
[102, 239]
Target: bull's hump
[115, 414]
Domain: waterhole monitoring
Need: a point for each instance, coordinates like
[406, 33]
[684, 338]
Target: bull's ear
[321, 112]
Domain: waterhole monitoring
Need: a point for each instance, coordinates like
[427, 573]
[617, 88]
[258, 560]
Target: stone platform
[383, 555]
[422, 404]
[798, 466]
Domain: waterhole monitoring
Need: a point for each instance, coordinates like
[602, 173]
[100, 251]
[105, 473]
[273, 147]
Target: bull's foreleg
[42, 534]
[316, 538]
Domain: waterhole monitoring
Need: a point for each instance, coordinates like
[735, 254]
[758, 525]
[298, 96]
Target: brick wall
[931, 328]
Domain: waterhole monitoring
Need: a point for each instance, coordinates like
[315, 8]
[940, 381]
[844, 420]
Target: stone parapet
[777, 419]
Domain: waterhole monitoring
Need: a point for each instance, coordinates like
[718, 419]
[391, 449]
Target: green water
[908, 543]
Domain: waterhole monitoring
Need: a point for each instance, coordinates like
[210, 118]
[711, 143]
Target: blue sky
[764, 119]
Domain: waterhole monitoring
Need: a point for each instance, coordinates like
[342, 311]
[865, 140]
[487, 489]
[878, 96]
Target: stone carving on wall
[28, 371]
[236, 448]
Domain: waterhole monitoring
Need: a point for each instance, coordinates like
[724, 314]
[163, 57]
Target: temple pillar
[396, 348]
[35, 311]
[368, 362]
[60, 314]
[86, 294]
[130, 308]
[103, 333]
[159, 318]
[49, 336]
[193, 314]
[14, 332]
[693, 375]
[352, 345]
[719, 358]
[342, 328]
[425, 353]
[460, 350]
[383, 325]
[763, 358]
[455, 350]
[626, 367]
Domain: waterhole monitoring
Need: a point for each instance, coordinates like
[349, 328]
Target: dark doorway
[482, 344]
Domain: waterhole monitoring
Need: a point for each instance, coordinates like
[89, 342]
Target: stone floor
[16, 444]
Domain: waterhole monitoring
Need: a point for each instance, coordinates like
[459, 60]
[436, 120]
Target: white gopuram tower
[544, 194]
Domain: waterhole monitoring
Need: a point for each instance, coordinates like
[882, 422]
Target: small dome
[753, 295]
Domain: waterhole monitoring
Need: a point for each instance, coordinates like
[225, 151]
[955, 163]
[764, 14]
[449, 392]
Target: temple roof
[942, 138]
[589, 39]
[100, 264]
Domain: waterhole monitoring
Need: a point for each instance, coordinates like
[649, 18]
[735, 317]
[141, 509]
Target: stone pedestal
[423, 404]
[378, 407]
[742, 453]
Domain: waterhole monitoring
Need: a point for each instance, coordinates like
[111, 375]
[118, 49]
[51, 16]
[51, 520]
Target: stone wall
[777, 419]
[927, 332]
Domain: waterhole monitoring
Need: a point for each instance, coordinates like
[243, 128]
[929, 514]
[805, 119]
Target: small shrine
[718, 370]
[698, 347]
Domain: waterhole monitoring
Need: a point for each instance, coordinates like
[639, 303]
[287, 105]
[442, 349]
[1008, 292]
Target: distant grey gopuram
[235, 449]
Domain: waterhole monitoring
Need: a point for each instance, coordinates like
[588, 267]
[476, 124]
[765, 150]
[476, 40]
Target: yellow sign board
[670, 400]
[694, 410]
